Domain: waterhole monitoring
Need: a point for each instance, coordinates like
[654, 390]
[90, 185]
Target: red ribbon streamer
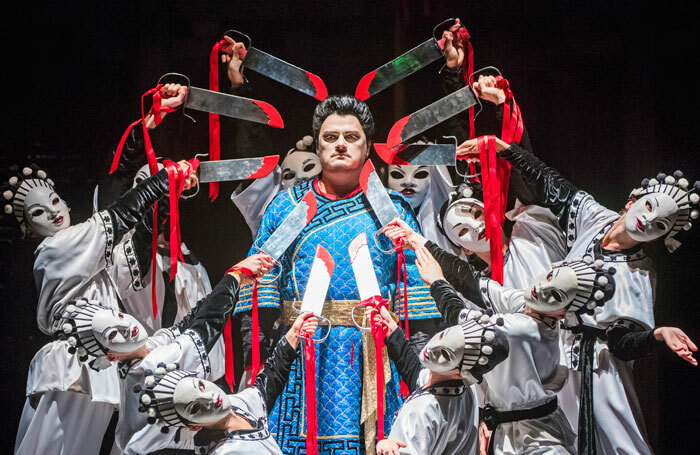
[492, 175]
[468, 69]
[310, 375]
[401, 267]
[154, 264]
[214, 124]
[255, 366]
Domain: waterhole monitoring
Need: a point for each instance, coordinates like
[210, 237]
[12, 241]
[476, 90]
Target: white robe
[620, 425]
[253, 200]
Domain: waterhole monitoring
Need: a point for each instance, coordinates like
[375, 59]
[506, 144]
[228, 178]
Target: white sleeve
[419, 425]
[67, 261]
[585, 212]
[501, 299]
[253, 201]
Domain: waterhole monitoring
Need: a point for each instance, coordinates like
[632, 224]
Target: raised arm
[401, 353]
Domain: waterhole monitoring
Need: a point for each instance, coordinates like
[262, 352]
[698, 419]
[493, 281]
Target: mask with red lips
[200, 401]
[650, 217]
[45, 211]
[119, 332]
[411, 181]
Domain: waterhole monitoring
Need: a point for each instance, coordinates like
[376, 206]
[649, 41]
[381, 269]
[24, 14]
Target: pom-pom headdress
[305, 144]
[595, 282]
[484, 345]
[15, 190]
[76, 328]
[157, 395]
[467, 193]
[686, 197]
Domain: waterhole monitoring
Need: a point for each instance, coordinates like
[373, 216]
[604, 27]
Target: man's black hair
[343, 105]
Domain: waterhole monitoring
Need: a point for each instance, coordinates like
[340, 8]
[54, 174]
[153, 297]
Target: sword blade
[377, 195]
[233, 106]
[285, 73]
[397, 69]
[419, 154]
[240, 169]
[362, 267]
[291, 227]
[319, 280]
[431, 115]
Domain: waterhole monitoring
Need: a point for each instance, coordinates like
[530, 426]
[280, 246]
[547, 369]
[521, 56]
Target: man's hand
[389, 447]
[385, 315]
[678, 342]
[487, 90]
[304, 323]
[454, 46]
[399, 229]
[428, 267]
[173, 95]
[484, 436]
[185, 167]
[469, 149]
[258, 264]
[233, 56]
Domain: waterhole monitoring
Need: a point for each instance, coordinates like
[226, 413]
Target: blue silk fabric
[338, 380]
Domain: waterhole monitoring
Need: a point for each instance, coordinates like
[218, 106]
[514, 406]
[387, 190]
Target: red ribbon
[310, 375]
[401, 267]
[214, 124]
[468, 69]
[255, 366]
[492, 176]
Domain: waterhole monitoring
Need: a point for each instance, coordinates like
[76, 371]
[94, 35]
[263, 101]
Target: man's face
[651, 217]
[200, 401]
[299, 167]
[465, 226]
[411, 181]
[117, 331]
[342, 144]
[45, 211]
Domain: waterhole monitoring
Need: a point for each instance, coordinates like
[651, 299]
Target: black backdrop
[606, 89]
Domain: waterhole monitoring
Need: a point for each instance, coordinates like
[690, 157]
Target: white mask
[465, 226]
[299, 167]
[444, 351]
[411, 181]
[45, 211]
[200, 401]
[552, 290]
[143, 173]
[650, 217]
[118, 331]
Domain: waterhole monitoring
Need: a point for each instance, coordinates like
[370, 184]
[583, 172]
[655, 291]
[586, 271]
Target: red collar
[333, 197]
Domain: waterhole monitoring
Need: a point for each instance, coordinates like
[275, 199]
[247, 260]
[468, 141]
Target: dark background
[606, 89]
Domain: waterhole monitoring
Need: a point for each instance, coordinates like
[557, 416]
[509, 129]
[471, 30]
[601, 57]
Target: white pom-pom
[151, 412]
[308, 140]
[485, 319]
[489, 335]
[476, 315]
[467, 192]
[72, 341]
[300, 145]
[599, 263]
[13, 181]
[81, 303]
[41, 174]
[7, 194]
[27, 171]
[687, 226]
[683, 183]
[587, 259]
[146, 399]
[8, 209]
[149, 381]
[70, 309]
[598, 295]
[590, 305]
[670, 180]
[483, 360]
[603, 280]
[67, 328]
[50, 182]
[170, 367]
[694, 198]
[81, 351]
[653, 182]
[486, 349]
[694, 214]
[160, 371]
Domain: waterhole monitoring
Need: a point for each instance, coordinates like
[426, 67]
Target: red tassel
[401, 267]
[229, 374]
[468, 69]
[352, 353]
[310, 375]
[493, 201]
[154, 264]
[214, 124]
[255, 367]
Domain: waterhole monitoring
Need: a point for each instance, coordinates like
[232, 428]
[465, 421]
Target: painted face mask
[553, 290]
[465, 226]
[45, 211]
[143, 173]
[411, 181]
[298, 167]
[651, 217]
[200, 401]
[443, 352]
[118, 331]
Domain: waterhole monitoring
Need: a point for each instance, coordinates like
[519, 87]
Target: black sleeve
[628, 340]
[449, 302]
[266, 320]
[133, 156]
[130, 208]
[404, 357]
[525, 140]
[458, 272]
[143, 235]
[548, 187]
[211, 313]
[272, 378]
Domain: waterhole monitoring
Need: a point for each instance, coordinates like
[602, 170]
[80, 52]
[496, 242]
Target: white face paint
[118, 331]
[651, 217]
[411, 181]
[552, 290]
[465, 226]
[444, 351]
[200, 401]
[299, 167]
[45, 211]
[143, 173]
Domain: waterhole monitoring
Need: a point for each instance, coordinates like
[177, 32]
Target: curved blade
[431, 115]
[362, 267]
[319, 280]
[257, 111]
[285, 73]
[418, 154]
[291, 227]
[377, 195]
[397, 69]
[240, 169]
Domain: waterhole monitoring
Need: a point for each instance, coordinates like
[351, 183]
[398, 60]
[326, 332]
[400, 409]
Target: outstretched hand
[487, 89]
[469, 149]
[385, 316]
[398, 229]
[429, 269]
[389, 446]
[172, 97]
[304, 324]
[678, 342]
[233, 55]
[454, 46]
[259, 264]
[185, 168]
